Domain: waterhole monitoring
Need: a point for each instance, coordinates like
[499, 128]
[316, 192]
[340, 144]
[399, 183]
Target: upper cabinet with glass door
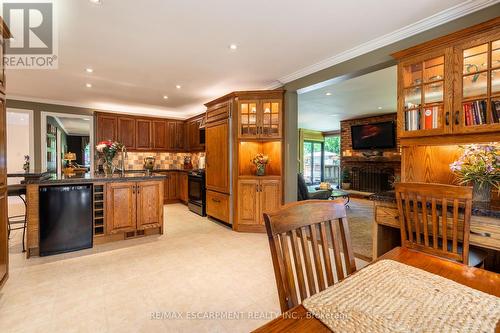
[259, 119]
[423, 104]
[477, 85]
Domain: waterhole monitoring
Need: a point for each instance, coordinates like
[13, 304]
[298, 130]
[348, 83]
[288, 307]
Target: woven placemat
[392, 297]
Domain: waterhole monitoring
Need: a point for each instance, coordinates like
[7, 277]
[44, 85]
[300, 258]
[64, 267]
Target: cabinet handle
[215, 200]
[447, 118]
[483, 234]
[133, 189]
[457, 117]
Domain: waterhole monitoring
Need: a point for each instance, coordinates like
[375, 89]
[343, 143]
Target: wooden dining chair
[435, 218]
[301, 235]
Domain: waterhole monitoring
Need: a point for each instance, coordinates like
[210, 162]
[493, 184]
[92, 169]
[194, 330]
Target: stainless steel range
[197, 192]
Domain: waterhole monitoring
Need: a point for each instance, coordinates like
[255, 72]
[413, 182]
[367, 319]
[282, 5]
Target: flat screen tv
[374, 136]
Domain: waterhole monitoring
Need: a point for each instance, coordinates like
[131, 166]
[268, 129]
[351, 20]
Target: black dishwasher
[65, 218]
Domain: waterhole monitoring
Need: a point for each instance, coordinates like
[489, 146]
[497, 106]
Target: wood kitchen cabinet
[143, 134]
[175, 134]
[121, 204]
[256, 196]
[132, 206]
[217, 157]
[126, 132]
[195, 133]
[149, 205]
[159, 134]
[150, 134]
[449, 88]
[260, 119]
[183, 187]
[107, 127]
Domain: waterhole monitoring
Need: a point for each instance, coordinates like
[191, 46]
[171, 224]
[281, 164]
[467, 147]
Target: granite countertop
[90, 178]
[477, 209]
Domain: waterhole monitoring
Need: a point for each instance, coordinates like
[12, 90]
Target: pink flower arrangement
[108, 149]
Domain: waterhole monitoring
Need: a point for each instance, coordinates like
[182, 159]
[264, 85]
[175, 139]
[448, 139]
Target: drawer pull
[215, 200]
[483, 234]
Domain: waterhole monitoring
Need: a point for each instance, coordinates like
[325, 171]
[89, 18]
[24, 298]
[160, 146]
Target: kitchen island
[123, 206]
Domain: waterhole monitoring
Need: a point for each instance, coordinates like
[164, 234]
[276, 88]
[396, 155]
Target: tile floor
[197, 269]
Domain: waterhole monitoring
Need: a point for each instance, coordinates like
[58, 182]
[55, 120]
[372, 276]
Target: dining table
[299, 319]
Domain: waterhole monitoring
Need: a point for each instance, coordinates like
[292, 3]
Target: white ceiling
[140, 50]
[74, 126]
[360, 96]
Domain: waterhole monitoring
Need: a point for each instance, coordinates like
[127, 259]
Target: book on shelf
[431, 117]
[495, 110]
[412, 120]
[475, 113]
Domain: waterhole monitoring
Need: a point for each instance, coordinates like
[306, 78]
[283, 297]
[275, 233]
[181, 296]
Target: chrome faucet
[122, 162]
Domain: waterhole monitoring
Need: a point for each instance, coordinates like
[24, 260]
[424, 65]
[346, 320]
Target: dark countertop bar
[477, 209]
[55, 179]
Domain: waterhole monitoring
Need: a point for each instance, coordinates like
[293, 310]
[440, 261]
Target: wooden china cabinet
[4, 242]
[239, 126]
[450, 87]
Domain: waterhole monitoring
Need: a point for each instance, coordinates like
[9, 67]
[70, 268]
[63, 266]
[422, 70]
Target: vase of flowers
[260, 162]
[26, 165]
[479, 165]
[107, 151]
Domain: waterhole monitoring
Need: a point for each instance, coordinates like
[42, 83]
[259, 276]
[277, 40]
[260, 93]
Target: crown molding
[126, 109]
[447, 15]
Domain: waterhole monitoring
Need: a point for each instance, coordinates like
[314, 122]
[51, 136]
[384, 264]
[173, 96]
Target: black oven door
[196, 190]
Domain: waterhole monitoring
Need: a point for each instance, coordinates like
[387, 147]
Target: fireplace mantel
[375, 159]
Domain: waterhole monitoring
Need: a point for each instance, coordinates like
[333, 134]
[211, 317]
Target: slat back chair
[301, 235]
[435, 218]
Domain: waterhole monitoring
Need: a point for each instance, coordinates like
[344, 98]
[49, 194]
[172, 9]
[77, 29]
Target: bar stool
[18, 190]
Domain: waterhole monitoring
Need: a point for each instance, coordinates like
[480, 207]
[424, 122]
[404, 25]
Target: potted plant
[346, 179]
[479, 165]
[107, 150]
[260, 162]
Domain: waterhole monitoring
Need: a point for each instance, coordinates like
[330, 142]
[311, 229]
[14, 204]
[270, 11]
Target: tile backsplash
[135, 160]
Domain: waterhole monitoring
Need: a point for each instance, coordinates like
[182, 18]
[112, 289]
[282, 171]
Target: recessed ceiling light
[89, 70]
[165, 97]
[97, 2]
[178, 86]
[233, 47]
[88, 85]
[328, 94]
[380, 108]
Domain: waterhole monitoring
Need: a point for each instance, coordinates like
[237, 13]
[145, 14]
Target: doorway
[313, 162]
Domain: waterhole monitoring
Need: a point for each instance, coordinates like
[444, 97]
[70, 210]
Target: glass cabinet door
[478, 89]
[248, 124]
[423, 96]
[270, 119]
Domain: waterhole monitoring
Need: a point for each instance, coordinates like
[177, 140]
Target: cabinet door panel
[143, 134]
[106, 127]
[248, 201]
[171, 136]
[173, 189]
[218, 206]
[270, 197]
[270, 115]
[179, 135]
[3, 143]
[149, 205]
[183, 187]
[4, 247]
[120, 207]
[159, 135]
[217, 157]
[126, 132]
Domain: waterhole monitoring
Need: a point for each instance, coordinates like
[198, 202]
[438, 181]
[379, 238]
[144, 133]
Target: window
[313, 162]
[332, 160]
